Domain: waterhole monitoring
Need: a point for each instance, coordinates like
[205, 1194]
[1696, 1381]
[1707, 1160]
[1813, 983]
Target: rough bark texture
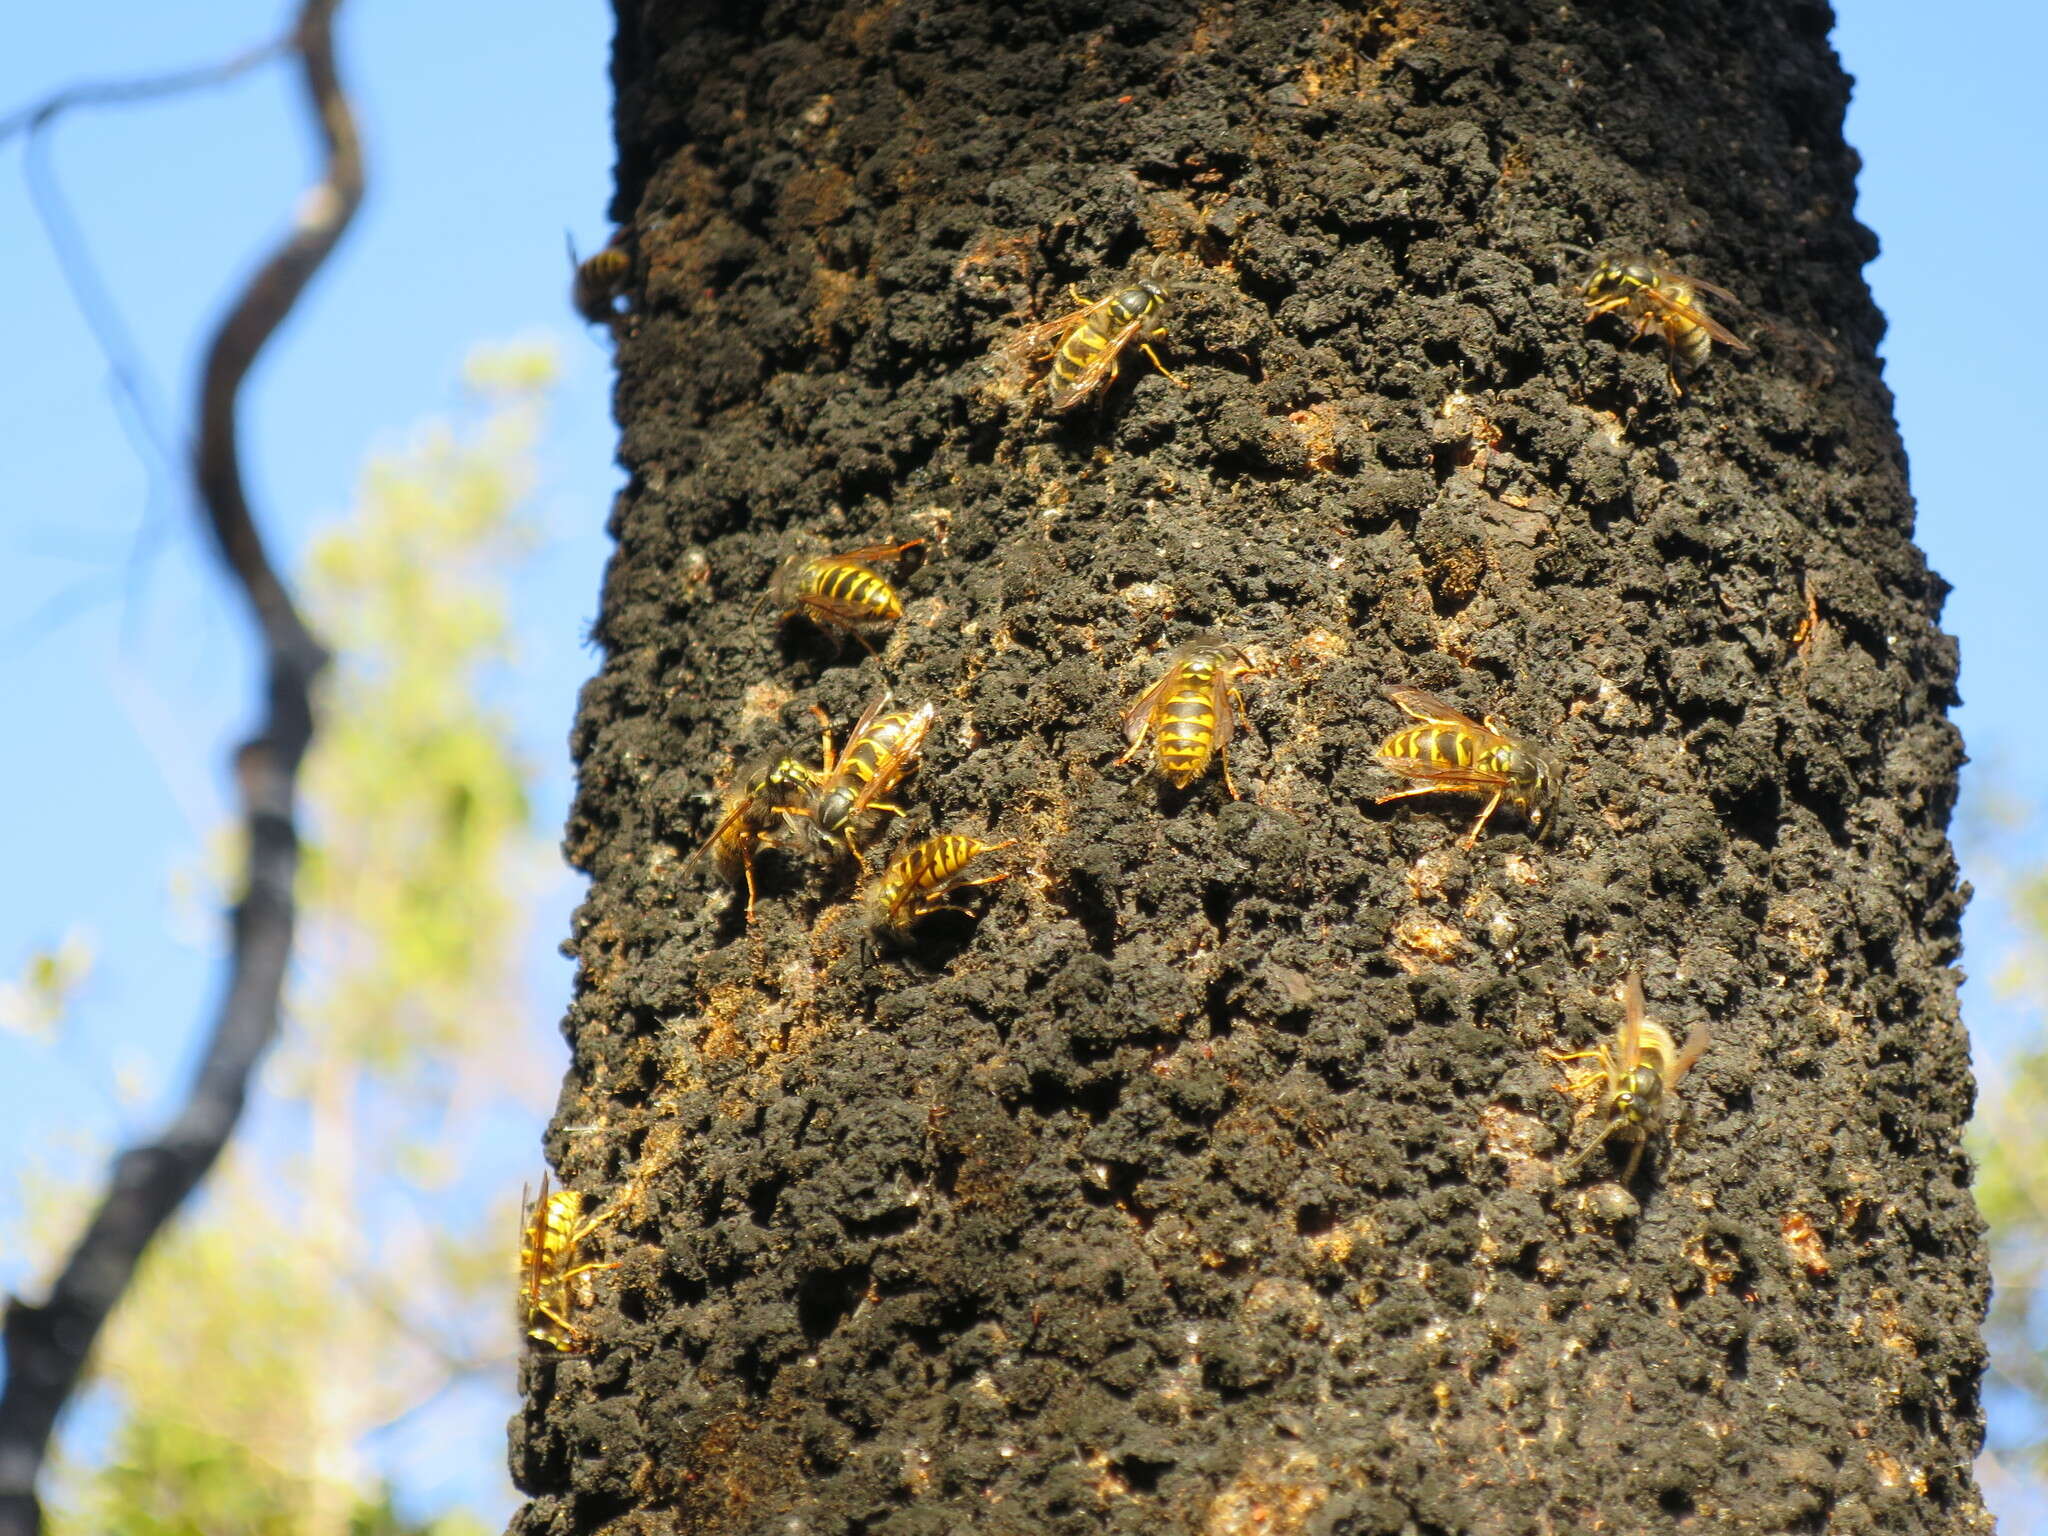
[1207, 1185]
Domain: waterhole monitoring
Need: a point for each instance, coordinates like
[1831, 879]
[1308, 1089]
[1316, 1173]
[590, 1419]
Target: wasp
[841, 593]
[760, 790]
[554, 1283]
[919, 879]
[1085, 342]
[1658, 299]
[878, 753]
[1191, 712]
[600, 282]
[1453, 752]
[1635, 1079]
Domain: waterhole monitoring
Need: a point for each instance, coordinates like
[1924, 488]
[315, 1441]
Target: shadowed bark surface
[1208, 1183]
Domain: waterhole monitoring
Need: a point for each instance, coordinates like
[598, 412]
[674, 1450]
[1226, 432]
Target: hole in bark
[761, 1201]
[953, 1319]
[1217, 900]
[1096, 917]
[684, 1290]
[1118, 1187]
[890, 1224]
[824, 1297]
[1675, 1501]
[1314, 1220]
[1142, 1474]
[1095, 1100]
[1738, 1360]
[1755, 815]
[595, 1511]
[1216, 1003]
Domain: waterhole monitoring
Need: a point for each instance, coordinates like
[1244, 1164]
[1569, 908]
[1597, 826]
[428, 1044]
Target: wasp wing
[892, 767]
[871, 552]
[1472, 777]
[1693, 315]
[1044, 337]
[1695, 1046]
[742, 805]
[1429, 708]
[1629, 1043]
[1092, 377]
[866, 721]
[1138, 718]
[532, 1242]
[742, 799]
[1229, 663]
[1711, 290]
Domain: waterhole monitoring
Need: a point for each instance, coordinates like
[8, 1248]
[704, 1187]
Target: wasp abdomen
[854, 588]
[1187, 729]
[918, 881]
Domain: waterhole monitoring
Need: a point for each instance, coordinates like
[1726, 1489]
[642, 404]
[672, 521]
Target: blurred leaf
[35, 1003]
[320, 1295]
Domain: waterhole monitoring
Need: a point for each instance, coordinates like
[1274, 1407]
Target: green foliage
[316, 1294]
[2009, 1136]
[34, 1003]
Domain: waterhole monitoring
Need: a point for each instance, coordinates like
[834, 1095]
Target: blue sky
[488, 128]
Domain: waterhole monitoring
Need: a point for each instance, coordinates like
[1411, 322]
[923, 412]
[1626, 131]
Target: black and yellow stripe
[919, 879]
[1186, 730]
[1445, 746]
[1094, 336]
[876, 751]
[1084, 359]
[846, 586]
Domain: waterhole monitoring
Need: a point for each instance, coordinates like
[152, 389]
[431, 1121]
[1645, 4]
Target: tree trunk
[1213, 1181]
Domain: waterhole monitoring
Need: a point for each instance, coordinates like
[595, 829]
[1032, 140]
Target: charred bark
[1208, 1184]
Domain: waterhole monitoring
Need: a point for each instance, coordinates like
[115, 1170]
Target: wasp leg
[1578, 1158]
[1598, 1050]
[1423, 789]
[1237, 703]
[825, 721]
[747, 864]
[1147, 350]
[1635, 1156]
[1138, 745]
[1076, 295]
[1472, 838]
[577, 1336]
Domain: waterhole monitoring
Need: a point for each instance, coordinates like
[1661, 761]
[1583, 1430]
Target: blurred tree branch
[112, 93]
[47, 1345]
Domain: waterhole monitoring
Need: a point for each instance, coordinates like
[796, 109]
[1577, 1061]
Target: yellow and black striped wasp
[919, 879]
[1635, 1080]
[842, 593]
[600, 283]
[1084, 343]
[880, 751]
[1452, 752]
[1191, 712]
[1665, 301]
[554, 1282]
[763, 788]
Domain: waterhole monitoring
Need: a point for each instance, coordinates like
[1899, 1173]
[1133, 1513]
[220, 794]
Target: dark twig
[113, 93]
[47, 1345]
